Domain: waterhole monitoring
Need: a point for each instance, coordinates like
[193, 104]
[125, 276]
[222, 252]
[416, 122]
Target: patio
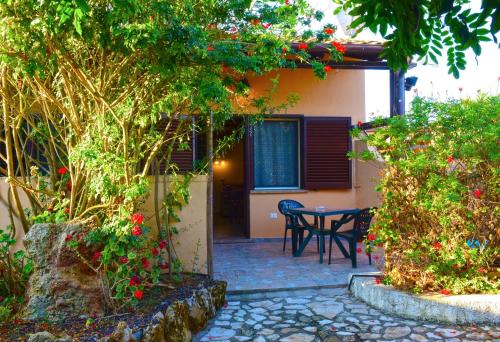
[263, 266]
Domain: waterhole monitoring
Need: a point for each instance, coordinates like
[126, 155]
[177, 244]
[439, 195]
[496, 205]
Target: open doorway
[229, 190]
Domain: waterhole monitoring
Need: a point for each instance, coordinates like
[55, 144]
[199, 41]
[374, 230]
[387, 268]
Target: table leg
[321, 240]
[294, 240]
[341, 247]
[304, 244]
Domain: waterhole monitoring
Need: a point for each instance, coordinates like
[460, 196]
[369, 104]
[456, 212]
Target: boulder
[177, 322]
[62, 283]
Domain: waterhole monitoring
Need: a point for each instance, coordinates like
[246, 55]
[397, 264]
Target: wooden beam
[210, 197]
[397, 93]
[361, 65]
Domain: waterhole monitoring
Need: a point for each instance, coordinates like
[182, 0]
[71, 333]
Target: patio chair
[358, 232]
[291, 221]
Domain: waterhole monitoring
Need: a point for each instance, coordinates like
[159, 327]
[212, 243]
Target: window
[276, 154]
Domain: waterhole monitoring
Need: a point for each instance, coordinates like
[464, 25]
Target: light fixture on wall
[219, 162]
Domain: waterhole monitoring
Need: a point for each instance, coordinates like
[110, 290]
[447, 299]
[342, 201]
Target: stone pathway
[331, 316]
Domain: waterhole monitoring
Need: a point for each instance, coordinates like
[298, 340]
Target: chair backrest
[362, 222]
[286, 204]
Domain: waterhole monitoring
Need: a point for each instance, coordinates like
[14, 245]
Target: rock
[218, 293]
[43, 336]
[396, 332]
[201, 309]
[122, 333]
[300, 337]
[177, 322]
[61, 284]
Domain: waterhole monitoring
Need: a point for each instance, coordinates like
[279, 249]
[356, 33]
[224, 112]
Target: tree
[427, 28]
[85, 84]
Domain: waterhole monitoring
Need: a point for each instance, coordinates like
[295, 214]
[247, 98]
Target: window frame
[300, 147]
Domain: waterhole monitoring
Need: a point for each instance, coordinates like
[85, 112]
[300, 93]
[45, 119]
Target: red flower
[380, 244]
[137, 231]
[233, 29]
[210, 48]
[164, 266]
[138, 294]
[378, 281]
[137, 218]
[255, 21]
[97, 256]
[339, 47]
[67, 211]
[135, 280]
[284, 49]
[482, 270]
[376, 257]
[145, 262]
[359, 250]
[302, 46]
[162, 244]
[287, 2]
[327, 68]
[68, 185]
[62, 170]
[266, 25]
[234, 36]
[477, 193]
[329, 31]
[371, 237]
[445, 292]
[212, 26]
[437, 245]
[154, 251]
[123, 259]
[68, 237]
[449, 159]
[360, 124]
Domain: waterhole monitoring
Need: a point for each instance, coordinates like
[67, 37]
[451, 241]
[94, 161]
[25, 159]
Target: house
[299, 154]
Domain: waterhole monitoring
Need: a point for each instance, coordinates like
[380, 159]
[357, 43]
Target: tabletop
[323, 211]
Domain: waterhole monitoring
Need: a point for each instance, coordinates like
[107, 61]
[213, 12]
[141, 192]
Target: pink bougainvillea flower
[445, 292]
[302, 46]
[137, 218]
[134, 280]
[329, 31]
[138, 294]
[68, 185]
[266, 25]
[360, 124]
[154, 251]
[145, 262]
[437, 245]
[359, 250]
[376, 257]
[450, 159]
[162, 244]
[136, 231]
[378, 281]
[68, 237]
[327, 68]
[62, 170]
[477, 193]
[97, 256]
[123, 259]
[371, 237]
[339, 47]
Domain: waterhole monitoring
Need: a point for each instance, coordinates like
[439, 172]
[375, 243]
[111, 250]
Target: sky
[481, 74]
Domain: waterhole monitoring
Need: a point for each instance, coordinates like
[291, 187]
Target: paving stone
[396, 332]
[218, 334]
[257, 317]
[311, 329]
[258, 310]
[448, 332]
[369, 336]
[417, 337]
[297, 300]
[301, 337]
[264, 303]
[326, 309]
[259, 339]
[273, 337]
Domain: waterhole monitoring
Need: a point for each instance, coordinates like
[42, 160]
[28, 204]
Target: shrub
[438, 222]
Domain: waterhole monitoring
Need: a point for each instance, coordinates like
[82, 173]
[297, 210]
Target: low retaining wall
[463, 309]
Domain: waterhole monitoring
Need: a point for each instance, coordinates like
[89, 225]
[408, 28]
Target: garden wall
[190, 243]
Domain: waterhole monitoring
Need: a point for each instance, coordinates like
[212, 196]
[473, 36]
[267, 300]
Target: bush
[438, 222]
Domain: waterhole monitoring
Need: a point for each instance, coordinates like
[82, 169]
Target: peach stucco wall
[341, 94]
[190, 243]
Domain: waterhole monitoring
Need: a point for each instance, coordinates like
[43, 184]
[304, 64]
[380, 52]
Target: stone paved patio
[326, 315]
[264, 266]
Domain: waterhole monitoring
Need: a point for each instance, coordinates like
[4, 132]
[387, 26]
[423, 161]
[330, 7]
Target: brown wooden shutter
[326, 143]
[183, 158]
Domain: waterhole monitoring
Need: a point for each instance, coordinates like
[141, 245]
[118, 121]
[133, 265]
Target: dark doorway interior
[229, 190]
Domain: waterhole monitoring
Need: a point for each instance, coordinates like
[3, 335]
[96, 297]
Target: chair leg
[352, 252]
[284, 239]
[370, 258]
[317, 243]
